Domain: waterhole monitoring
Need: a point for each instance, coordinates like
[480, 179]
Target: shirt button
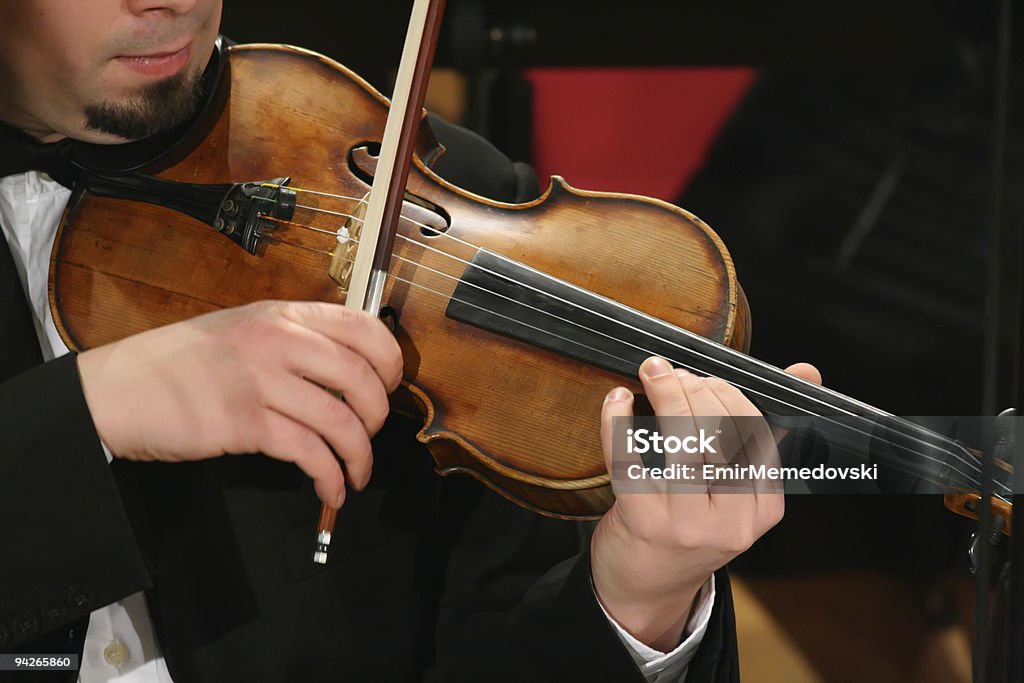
[116, 653]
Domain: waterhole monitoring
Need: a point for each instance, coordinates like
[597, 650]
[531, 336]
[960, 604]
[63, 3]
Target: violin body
[522, 419]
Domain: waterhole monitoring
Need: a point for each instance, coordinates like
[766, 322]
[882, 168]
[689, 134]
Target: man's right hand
[249, 380]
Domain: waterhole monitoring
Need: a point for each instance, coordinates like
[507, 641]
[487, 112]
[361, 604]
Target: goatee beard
[159, 107]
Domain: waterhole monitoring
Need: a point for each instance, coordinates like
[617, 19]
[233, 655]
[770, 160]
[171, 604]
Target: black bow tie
[20, 152]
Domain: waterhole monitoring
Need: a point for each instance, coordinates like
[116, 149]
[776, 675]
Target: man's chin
[151, 110]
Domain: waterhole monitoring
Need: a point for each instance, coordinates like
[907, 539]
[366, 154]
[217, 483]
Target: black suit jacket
[429, 578]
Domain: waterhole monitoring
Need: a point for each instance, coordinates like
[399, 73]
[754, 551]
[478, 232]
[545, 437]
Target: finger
[701, 407]
[332, 419]
[674, 418]
[713, 413]
[661, 385]
[358, 330]
[288, 441]
[803, 371]
[757, 446]
[755, 438]
[690, 425]
[708, 413]
[332, 365]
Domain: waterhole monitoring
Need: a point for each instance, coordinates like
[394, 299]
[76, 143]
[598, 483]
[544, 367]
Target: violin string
[720, 362]
[950, 449]
[897, 465]
[278, 240]
[417, 264]
[952, 453]
[696, 338]
[333, 213]
[363, 200]
[331, 195]
[412, 283]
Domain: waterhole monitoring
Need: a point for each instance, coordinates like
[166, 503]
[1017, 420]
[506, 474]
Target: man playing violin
[133, 542]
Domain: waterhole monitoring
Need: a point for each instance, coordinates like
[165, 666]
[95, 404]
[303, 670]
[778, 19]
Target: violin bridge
[343, 258]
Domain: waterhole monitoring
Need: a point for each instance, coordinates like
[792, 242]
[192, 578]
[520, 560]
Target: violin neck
[506, 297]
[511, 299]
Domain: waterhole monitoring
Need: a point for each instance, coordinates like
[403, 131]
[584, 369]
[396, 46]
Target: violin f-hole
[431, 219]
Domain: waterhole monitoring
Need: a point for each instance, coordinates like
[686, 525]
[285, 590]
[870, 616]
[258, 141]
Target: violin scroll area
[968, 504]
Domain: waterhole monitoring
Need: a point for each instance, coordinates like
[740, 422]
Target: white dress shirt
[119, 645]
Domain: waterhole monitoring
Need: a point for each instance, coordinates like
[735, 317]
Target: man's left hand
[652, 552]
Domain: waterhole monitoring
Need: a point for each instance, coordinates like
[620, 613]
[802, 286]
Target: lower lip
[159, 66]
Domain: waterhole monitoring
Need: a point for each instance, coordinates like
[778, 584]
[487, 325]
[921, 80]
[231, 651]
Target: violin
[514, 319]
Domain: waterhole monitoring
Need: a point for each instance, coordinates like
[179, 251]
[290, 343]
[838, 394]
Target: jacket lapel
[19, 346]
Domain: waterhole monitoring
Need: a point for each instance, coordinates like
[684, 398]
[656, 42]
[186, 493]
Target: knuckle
[245, 320]
[292, 441]
[306, 442]
[346, 317]
[267, 309]
[667, 404]
[335, 412]
[724, 389]
[717, 384]
[252, 325]
[294, 311]
[670, 380]
[691, 539]
[333, 314]
[306, 312]
[346, 321]
[279, 307]
[702, 384]
[700, 390]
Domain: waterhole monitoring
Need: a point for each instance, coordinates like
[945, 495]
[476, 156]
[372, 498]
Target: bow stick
[387, 193]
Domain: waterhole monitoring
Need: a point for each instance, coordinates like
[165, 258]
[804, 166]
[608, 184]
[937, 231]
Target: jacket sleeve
[472, 163]
[518, 603]
[68, 547]
[559, 633]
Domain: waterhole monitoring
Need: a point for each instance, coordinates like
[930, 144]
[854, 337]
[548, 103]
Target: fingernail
[339, 500]
[656, 367]
[618, 394]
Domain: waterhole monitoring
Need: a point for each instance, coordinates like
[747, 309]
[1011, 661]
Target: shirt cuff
[671, 666]
[106, 452]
